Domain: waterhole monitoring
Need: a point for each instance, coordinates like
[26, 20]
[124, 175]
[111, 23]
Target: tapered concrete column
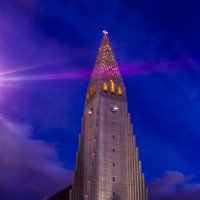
[107, 163]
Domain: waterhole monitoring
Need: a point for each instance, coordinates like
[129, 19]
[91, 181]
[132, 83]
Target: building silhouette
[60, 195]
[107, 163]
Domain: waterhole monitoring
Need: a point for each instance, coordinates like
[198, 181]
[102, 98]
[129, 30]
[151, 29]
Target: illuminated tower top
[106, 65]
[106, 77]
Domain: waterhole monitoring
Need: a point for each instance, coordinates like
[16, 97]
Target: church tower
[107, 164]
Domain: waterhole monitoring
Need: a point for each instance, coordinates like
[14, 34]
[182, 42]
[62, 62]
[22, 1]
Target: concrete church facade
[107, 163]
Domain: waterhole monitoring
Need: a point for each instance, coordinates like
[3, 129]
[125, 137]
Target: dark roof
[61, 195]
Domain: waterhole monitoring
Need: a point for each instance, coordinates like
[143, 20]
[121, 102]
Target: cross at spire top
[105, 32]
[106, 65]
[106, 75]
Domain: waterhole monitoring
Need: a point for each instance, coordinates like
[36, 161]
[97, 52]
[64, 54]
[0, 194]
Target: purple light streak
[134, 68]
[164, 66]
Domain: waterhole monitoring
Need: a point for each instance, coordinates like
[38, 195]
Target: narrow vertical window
[113, 194]
[91, 91]
[88, 97]
[113, 136]
[113, 150]
[119, 91]
[95, 88]
[113, 164]
[112, 86]
[113, 179]
[105, 87]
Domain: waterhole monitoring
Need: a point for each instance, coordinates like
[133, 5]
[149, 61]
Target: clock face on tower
[114, 109]
[90, 111]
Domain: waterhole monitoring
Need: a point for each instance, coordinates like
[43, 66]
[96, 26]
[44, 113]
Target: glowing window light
[90, 90]
[88, 97]
[119, 91]
[112, 86]
[89, 112]
[95, 89]
[105, 87]
[115, 108]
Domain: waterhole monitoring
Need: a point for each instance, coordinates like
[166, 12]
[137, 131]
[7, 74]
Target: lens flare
[134, 68]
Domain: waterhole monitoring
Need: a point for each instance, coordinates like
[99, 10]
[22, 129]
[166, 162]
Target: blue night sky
[47, 52]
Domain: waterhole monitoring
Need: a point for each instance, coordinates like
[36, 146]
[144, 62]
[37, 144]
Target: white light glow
[115, 108]
[105, 32]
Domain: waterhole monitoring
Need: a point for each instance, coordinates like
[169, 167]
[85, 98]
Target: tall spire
[106, 65]
[107, 163]
[106, 78]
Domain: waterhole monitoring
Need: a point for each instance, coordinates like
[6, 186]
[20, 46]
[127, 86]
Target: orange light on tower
[88, 97]
[119, 91]
[112, 86]
[105, 87]
[95, 88]
[91, 91]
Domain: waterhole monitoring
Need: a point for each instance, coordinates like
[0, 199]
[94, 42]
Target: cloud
[28, 168]
[174, 186]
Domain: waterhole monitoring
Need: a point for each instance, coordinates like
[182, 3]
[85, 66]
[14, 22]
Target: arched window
[91, 91]
[95, 89]
[112, 86]
[119, 91]
[105, 87]
[88, 97]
